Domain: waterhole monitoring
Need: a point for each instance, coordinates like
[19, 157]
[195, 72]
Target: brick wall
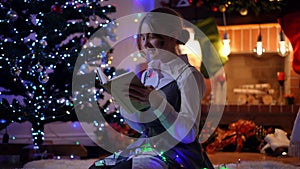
[243, 69]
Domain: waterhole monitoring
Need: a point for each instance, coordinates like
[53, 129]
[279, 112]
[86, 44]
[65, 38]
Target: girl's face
[153, 43]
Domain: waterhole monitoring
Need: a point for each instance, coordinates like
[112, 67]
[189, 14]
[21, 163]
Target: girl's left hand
[141, 94]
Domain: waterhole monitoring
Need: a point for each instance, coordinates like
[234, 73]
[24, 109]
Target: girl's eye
[142, 37]
[150, 37]
[153, 36]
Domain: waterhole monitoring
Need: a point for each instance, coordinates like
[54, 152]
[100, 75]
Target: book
[118, 87]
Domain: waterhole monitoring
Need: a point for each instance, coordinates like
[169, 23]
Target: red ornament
[163, 3]
[83, 40]
[199, 3]
[214, 9]
[56, 8]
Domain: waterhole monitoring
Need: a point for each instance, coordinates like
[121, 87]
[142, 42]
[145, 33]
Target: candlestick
[280, 78]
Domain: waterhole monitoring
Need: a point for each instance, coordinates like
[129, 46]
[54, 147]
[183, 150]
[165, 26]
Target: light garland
[259, 50]
[283, 49]
[226, 40]
[244, 6]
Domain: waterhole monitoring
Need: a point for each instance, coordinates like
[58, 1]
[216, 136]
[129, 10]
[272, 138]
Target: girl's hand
[140, 94]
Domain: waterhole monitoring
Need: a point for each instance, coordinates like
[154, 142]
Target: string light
[283, 48]
[226, 40]
[259, 50]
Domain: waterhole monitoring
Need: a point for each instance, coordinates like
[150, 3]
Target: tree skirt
[81, 164]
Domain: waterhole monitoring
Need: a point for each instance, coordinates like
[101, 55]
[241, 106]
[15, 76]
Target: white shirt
[192, 88]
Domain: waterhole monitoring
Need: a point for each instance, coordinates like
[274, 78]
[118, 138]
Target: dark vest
[190, 155]
[172, 94]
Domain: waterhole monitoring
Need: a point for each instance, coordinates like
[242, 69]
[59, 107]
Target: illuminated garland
[39, 45]
[231, 6]
[243, 6]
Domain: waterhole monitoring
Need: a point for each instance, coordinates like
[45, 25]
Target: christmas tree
[40, 44]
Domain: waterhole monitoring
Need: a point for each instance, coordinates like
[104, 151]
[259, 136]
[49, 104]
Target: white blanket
[60, 164]
[84, 164]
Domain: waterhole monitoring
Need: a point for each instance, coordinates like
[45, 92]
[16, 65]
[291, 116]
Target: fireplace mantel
[274, 115]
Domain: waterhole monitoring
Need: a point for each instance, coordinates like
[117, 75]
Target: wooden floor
[232, 157]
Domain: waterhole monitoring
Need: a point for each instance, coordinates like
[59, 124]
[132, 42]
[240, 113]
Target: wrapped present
[236, 134]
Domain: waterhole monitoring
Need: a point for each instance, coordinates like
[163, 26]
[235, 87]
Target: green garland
[243, 6]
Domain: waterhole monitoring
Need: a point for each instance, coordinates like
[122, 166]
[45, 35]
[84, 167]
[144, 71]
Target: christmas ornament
[222, 8]
[110, 58]
[163, 3]
[214, 9]
[56, 8]
[38, 67]
[16, 71]
[199, 3]
[12, 15]
[83, 40]
[106, 57]
[43, 78]
[43, 42]
[244, 11]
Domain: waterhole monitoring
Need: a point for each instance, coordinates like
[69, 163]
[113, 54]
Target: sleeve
[183, 125]
[131, 121]
[135, 120]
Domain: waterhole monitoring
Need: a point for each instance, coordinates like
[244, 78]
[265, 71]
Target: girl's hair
[163, 21]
